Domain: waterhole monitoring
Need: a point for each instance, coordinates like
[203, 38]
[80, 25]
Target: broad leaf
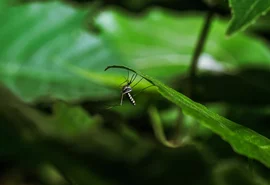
[39, 46]
[38, 43]
[161, 43]
[246, 12]
[243, 140]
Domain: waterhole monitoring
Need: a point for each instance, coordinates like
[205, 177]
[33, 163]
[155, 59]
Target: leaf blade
[38, 46]
[172, 44]
[243, 140]
[245, 13]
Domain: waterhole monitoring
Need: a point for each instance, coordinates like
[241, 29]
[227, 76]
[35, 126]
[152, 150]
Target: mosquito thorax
[126, 89]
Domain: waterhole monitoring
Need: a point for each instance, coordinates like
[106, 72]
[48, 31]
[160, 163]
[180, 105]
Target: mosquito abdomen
[131, 99]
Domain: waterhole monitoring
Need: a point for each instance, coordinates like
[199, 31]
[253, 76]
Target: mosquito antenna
[143, 90]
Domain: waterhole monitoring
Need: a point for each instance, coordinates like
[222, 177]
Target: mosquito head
[126, 89]
[129, 83]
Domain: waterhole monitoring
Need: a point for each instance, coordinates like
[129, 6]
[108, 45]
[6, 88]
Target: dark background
[112, 154]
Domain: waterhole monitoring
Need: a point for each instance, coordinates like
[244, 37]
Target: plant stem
[198, 50]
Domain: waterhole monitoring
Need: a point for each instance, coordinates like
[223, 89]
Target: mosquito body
[126, 90]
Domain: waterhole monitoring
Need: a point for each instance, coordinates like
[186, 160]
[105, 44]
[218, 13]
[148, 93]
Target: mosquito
[127, 88]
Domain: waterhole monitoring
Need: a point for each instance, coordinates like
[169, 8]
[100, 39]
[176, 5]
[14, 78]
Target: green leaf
[41, 42]
[243, 140]
[38, 43]
[161, 43]
[245, 13]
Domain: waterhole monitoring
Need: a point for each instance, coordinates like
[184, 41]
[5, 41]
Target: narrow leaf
[243, 140]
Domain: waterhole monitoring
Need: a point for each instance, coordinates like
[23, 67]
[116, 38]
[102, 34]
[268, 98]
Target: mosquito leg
[143, 90]
[133, 78]
[121, 102]
[137, 82]
[128, 75]
[112, 106]
[123, 82]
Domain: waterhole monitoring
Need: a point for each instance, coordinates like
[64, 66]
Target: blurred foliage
[170, 47]
[56, 128]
